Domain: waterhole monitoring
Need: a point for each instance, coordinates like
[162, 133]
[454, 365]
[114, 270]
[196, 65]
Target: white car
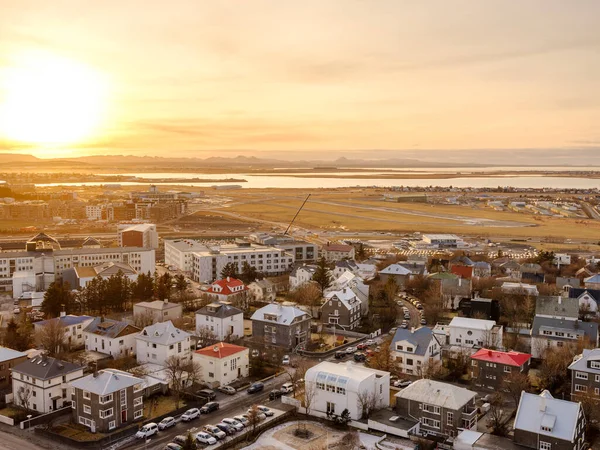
[261, 415]
[286, 360]
[234, 423]
[242, 420]
[190, 414]
[227, 390]
[286, 388]
[370, 342]
[350, 350]
[150, 429]
[17, 311]
[214, 431]
[205, 438]
[266, 411]
[167, 422]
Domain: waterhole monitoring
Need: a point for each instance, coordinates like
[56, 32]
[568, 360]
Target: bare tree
[51, 337]
[432, 369]
[206, 336]
[349, 441]
[515, 383]
[143, 319]
[181, 374]
[368, 402]
[496, 416]
[310, 392]
[253, 418]
[491, 339]
[24, 396]
[296, 373]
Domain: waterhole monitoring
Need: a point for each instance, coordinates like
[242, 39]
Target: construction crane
[297, 212]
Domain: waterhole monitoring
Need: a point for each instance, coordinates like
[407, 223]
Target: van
[287, 387]
[150, 429]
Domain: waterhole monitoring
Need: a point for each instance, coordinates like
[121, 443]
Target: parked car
[362, 346]
[190, 414]
[214, 431]
[207, 393]
[255, 353]
[167, 422]
[286, 360]
[242, 420]
[340, 354]
[266, 411]
[275, 394]
[255, 387]
[205, 438]
[370, 342]
[287, 387]
[209, 407]
[261, 416]
[402, 383]
[173, 446]
[350, 350]
[233, 423]
[180, 439]
[423, 322]
[360, 357]
[150, 429]
[419, 306]
[227, 390]
[226, 428]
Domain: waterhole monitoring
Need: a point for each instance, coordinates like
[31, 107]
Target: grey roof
[580, 362]
[482, 264]
[110, 328]
[44, 368]
[347, 264]
[589, 329]
[414, 267]
[593, 279]
[158, 304]
[561, 282]
[436, 393]
[578, 292]
[465, 260]
[420, 338]
[307, 267]
[285, 314]
[531, 268]
[66, 321]
[163, 333]
[222, 311]
[6, 354]
[537, 410]
[557, 306]
[395, 269]
[106, 382]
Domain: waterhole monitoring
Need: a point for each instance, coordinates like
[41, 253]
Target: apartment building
[335, 252]
[489, 368]
[282, 326]
[585, 374]
[341, 309]
[221, 320]
[142, 235]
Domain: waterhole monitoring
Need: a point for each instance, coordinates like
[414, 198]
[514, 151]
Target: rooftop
[557, 306]
[159, 305]
[106, 382]
[110, 328]
[475, 324]
[285, 314]
[6, 354]
[219, 310]
[420, 338]
[437, 393]
[163, 333]
[66, 321]
[511, 358]
[221, 350]
[44, 367]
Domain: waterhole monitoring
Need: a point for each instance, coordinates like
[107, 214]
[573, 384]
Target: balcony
[469, 413]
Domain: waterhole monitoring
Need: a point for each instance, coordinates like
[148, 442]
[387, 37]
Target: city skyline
[210, 78]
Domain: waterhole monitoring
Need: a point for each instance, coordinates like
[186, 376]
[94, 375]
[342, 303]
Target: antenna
[297, 212]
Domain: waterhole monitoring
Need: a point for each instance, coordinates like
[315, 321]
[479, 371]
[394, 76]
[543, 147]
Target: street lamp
[29, 416]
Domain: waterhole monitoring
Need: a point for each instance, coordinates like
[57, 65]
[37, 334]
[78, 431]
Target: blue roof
[67, 321]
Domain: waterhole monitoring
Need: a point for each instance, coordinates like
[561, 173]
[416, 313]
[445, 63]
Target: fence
[245, 439]
[7, 420]
[45, 418]
[329, 353]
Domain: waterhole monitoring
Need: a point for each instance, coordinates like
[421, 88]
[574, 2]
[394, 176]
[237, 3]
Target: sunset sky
[188, 77]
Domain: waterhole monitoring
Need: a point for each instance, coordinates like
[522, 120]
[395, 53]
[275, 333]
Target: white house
[73, 328]
[365, 271]
[110, 337]
[467, 332]
[221, 319]
[227, 289]
[332, 388]
[222, 363]
[157, 343]
[301, 275]
[415, 350]
[262, 290]
[158, 310]
[41, 383]
[348, 280]
[552, 332]
[509, 287]
[335, 252]
[562, 259]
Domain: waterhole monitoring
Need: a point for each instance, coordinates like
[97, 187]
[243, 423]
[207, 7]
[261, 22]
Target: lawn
[77, 432]
[160, 405]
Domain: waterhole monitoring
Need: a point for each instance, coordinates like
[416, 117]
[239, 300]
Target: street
[13, 442]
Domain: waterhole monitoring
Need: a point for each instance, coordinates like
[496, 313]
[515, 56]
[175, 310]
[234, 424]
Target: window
[595, 364]
[106, 398]
[560, 344]
[545, 445]
[580, 388]
[330, 388]
[431, 408]
[86, 395]
[330, 408]
[87, 409]
[137, 401]
[211, 375]
[34, 393]
[430, 422]
[409, 361]
[321, 386]
[507, 369]
[73, 405]
[112, 425]
[340, 390]
[138, 414]
[106, 413]
[581, 375]
[474, 363]
[450, 418]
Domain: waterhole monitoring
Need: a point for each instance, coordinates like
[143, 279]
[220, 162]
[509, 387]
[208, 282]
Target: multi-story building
[9, 358]
[142, 235]
[157, 343]
[40, 384]
[282, 326]
[415, 351]
[107, 399]
[336, 387]
[301, 275]
[94, 212]
[585, 374]
[228, 289]
[466, 332]
[441, 409]
[489, 368]
[110, 337]
[221, 320]
[302, 250]
[549, 332]
[79, 276]
[341, 309]
[335, 252]
[158, 311]
[547, 423]
[222, 363]
[206, 262]
[73, 327]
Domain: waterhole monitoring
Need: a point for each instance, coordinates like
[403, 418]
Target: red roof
[507, 358]
[227, 286]
[462, 271]
[221, 350]
[338, 248]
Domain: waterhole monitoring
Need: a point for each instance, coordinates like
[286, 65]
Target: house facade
[9, 358]
[332, 388]
[221, 320]
[110, 337]
[415, 350]
[262, 290]
[222, 363]
[469, 333]
[441, 409]
[489, 368]
[398, 272]
[157, 343]
[158, 310]
[301, 275]
[41, 384]
[282, 326]
[106, 400]
[548, 333]
[335, 252]
[227, 289]
[547, 423]
[341, 309]
[73, 328]
[585, 375]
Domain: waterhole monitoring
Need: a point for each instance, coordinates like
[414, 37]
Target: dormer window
[548, 429]
[409, 349]
[594, 364]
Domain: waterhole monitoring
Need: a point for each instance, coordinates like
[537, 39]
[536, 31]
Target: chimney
[489, 352]
[63, 314]
[228, 279]
[166, 300]
[560, 300]
[412, 330]
[101, 319]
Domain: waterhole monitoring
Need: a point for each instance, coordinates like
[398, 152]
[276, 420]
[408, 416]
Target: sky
[318, 77]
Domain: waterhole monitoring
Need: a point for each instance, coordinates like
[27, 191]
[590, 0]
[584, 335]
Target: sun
[48, 100]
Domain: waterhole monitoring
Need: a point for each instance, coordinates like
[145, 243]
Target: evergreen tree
[180, 284]
[18, 336]
[162, 286]
[118, 292]
[322, 275]
[143, 288]
[57, 298]
[249, 273]
[361, 254]
[230, 270]
[93, 296]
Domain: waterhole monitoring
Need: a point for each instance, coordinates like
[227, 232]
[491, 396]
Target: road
[12, 442]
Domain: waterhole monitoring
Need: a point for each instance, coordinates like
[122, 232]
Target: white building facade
[157, 343]
[466, 332]
[221, 320]
[222, 363]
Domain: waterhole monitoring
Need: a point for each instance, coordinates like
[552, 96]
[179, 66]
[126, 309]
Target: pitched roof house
[222, 363]
[161, 341]
[158, 310]
[556, 332]
[585, 374]
[341, 309]
[220, 319]
[112, 337]
[490, 367]
[415, 350]
[226, 288]
[283, 326]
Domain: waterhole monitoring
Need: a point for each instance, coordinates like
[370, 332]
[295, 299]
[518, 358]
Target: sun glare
[48, 100]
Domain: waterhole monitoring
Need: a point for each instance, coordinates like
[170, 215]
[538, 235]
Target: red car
[362, 346]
